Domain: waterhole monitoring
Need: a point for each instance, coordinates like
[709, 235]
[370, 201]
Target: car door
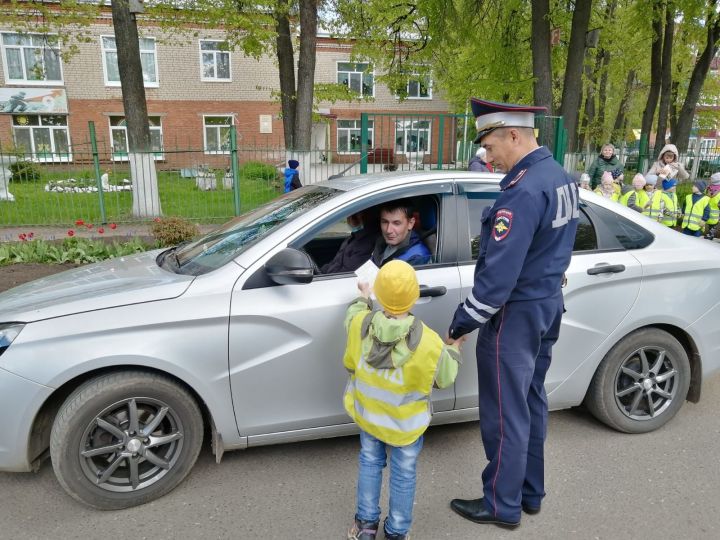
[603, 284]
[286, 342]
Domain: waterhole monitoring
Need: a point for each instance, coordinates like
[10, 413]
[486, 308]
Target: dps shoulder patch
[503, 224]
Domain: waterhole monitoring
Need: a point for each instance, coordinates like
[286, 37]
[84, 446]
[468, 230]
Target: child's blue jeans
[403, 462]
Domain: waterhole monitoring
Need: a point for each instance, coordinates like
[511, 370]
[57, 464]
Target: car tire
[641, 383]
[126, 438]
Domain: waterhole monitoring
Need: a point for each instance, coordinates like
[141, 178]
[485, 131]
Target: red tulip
[30, 235]
[79, 222]
[101, 230]
[113, 226]
[22, 236]
[71, 233]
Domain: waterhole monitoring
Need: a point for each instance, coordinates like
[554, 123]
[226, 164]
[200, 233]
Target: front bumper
[20, 400]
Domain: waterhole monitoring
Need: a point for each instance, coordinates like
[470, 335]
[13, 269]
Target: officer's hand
[364, 289]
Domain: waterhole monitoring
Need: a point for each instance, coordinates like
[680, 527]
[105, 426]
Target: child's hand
[364, 289]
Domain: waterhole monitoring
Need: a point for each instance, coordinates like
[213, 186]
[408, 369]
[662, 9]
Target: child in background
[697, 210]
[636, 198]
[394, 360]
[292, 176]
[607, 187]
[664, 206]
[713, 192]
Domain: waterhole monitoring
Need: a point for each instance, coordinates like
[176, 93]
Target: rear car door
[287, 342]
[603, 284]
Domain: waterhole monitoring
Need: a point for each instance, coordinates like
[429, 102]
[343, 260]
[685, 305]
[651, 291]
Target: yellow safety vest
[650, 198]
[670, 200]
[694, 212]
[714, 209]
[615, 196]
[391, 404]
[641, 197]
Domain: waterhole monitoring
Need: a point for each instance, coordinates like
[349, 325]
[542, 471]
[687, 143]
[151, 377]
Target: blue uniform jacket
[526, 240]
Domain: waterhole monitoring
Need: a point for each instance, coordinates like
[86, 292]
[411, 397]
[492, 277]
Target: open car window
[224, 244]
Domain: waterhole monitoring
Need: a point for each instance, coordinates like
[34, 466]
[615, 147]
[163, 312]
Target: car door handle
[606, 269]
[432, 291]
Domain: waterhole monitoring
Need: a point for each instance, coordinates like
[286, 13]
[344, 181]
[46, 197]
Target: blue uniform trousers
[513, 356]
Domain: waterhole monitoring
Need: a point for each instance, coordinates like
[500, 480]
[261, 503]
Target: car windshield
[224, 244]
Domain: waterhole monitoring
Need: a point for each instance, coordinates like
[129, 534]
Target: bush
[24, 171]
[258, 170]
[171, 231]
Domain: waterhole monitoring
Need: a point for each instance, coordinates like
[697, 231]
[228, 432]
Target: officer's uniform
[516, 303]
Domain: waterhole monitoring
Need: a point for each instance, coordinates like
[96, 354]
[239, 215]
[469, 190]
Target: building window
[148, 58]
[31, 58]
[357, 77]
[214, 60]
[348, 136]
[419, 87]
[119, 138]
[44, 137]
[217, 134]
[412, 136]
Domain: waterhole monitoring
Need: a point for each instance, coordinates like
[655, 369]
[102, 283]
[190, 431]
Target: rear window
[630, 235]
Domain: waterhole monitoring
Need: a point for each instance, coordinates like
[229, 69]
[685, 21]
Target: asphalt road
[601, 484]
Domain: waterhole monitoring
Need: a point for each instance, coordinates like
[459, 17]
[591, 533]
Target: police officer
[516, 304]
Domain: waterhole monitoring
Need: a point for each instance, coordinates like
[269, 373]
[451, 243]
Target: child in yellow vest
[636, 198]
[394, 360]
[713, 193]
[607, 187]
[697, 210]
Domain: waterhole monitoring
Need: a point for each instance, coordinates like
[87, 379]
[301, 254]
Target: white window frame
[25, 80]
[104, 50]
[119, 155]
[406, 130]
[54, 157]
[707, 145]
[357, 127]
[361, 73]
[417, 80]
[218, 126]
[215, 55]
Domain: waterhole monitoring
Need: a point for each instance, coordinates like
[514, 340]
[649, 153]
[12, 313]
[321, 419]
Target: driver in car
[399, 240]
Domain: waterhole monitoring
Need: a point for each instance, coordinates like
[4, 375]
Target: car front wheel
[641, 383]
[124, 439]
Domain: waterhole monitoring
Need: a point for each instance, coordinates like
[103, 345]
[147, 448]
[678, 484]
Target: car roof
[390, 179]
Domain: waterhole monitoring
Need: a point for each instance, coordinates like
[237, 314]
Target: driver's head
[396, 222]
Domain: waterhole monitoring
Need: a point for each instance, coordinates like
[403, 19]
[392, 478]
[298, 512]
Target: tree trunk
[588, 122]
[541, 59]
[655, 70]
[146, 200]
[674, 107]
[666, 78]
[306, 74]
[602, 89]
[286, 70]
[572, 85]
[697, 79]
[618, 132]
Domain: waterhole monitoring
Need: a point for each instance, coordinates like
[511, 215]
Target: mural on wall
[33, 100]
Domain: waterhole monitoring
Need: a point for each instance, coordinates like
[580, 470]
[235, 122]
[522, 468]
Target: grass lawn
[178, 197]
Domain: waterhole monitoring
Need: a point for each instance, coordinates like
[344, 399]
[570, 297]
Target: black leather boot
[389, 536]
[475, 510]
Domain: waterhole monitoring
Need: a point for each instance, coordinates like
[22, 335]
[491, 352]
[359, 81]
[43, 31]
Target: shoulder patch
[503, 224]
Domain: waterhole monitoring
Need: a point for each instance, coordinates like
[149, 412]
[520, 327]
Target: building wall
[181, 98]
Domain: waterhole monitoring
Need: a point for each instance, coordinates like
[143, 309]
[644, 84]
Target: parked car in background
[118, 369]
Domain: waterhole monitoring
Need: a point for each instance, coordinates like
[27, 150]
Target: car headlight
[8, 333]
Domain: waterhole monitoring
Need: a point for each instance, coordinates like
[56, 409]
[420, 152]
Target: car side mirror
[289, 267]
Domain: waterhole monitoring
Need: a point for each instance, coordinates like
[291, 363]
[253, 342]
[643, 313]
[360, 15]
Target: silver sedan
[118, 370]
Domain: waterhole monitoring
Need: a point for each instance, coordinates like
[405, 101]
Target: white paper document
[367, 273]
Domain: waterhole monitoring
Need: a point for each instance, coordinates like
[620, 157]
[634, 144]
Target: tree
[658, 9]
[146, 200]
[665, 78]
[541, 59]
[572, 85]
[697, 79]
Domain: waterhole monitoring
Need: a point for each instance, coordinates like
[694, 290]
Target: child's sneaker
[363, 530]
[389, 536]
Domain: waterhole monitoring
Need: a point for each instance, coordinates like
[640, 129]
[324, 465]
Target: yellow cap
[396, 287]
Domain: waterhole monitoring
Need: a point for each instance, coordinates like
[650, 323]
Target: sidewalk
[123, 231]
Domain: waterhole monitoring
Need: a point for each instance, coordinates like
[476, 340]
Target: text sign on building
[33, 101]
[265, 123]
